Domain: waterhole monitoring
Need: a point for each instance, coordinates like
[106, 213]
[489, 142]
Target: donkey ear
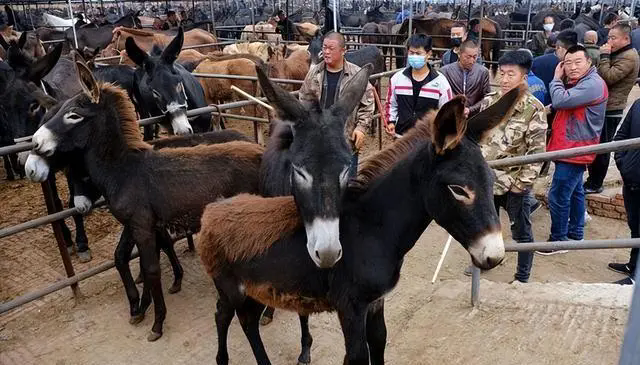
[23, 40]
[449, 125]
[495, 114]
[88, 82]
[45, 64]
[135, 53]
[352, 94]
[287, 106]
[171, 53]
[4, 43]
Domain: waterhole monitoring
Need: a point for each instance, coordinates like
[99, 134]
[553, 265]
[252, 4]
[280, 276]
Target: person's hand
[358, 139]
[391, 129]
[605, 48]
[466, 112]
[559, 73]
[514, 189]
[547, 109]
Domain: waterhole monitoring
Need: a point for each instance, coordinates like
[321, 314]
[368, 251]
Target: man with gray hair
[591, 44]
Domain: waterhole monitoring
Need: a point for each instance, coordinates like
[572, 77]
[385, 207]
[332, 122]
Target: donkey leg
[249, 316]
[376, 332]
[148, 132]
[224, 315]
[8, 168]
[165, 242]
[307, 340]
[82, 242]
[147, 246]
[121, 258]
[353, 322]
[17, 168]
[267, 316]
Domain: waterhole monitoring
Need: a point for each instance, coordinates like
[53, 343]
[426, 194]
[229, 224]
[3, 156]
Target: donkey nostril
[317, 255]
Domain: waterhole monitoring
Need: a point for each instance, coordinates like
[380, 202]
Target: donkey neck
[397, 197]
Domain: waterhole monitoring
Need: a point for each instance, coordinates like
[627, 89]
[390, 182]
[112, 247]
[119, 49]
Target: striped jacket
[403, 109]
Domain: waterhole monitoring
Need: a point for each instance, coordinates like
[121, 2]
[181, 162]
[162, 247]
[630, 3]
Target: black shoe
[621, 268]
[590, 190]
[535, 206]
[625, 281]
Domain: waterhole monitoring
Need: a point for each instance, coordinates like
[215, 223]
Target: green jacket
[525, 133]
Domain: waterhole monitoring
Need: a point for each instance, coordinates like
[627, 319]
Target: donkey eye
[156, 94]
[302, 177]
[72, 118]
[344, 176]
[33, 108]
[462, 194]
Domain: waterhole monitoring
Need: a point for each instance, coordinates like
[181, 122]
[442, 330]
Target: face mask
[548, 27]
[417, 61]
[456, 41]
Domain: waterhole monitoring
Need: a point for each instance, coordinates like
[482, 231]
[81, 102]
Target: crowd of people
[577, 88]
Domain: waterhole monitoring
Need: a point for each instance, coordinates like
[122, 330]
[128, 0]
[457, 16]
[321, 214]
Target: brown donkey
[253, 247]
[145, 189]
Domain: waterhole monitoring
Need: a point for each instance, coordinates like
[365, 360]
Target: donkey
[165, 88]
[253, 247]
[100, 125]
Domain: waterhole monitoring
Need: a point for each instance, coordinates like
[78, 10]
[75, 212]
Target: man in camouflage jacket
[523, 134]
[325, 83]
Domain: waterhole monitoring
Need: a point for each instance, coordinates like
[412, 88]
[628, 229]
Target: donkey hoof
[264, 320]
[139, 279]
[153, 336]
[136, 319]
[304, 361]
[176, 287]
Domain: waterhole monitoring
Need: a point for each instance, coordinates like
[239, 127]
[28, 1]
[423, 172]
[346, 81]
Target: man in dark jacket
[579, 97]
[628, 163]
[618, 67]
[610, 20]
[466, 77]
[544, 66]
[538, 43]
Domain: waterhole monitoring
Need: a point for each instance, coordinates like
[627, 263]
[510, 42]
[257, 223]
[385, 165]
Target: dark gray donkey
[165, 88]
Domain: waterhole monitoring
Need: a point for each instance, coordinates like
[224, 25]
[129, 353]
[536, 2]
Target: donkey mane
[119, 99]
[263, 220]
[381, 162]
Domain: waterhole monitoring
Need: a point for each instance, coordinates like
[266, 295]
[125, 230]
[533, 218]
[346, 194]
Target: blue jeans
[518, 207]
[353, 169]
[566, 202]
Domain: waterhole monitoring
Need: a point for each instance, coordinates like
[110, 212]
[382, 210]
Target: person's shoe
[590, 190]
[535, 206]
[84, 256]
[626, 281]
[517, 281]
[550, 252]
[621, 268]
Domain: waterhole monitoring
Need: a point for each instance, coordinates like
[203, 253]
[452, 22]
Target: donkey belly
[286, 277]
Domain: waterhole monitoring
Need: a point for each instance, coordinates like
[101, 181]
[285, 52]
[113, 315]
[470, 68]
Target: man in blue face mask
[415, 90]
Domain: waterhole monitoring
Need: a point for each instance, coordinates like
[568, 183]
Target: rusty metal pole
[53, 206]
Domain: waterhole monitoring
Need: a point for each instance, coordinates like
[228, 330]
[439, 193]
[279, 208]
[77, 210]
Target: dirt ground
[544, 322]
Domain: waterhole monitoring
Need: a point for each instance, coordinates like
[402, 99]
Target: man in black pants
[628, 163]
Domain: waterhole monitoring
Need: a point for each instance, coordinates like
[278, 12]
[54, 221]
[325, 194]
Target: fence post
[49, 192]
[630, 353]
[475, 285]
[257, 127]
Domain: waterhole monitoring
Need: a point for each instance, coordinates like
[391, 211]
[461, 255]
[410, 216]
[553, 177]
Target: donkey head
[68, 125]
[320, 160]
[26, 66]
[459, 192]
[162, 83]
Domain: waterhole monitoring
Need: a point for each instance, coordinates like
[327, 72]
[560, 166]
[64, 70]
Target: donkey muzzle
[45, 141]
[36, 168]
[487, 251]
[323, 241]
[180, 122]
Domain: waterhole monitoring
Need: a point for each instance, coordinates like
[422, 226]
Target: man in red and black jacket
[579, 96]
